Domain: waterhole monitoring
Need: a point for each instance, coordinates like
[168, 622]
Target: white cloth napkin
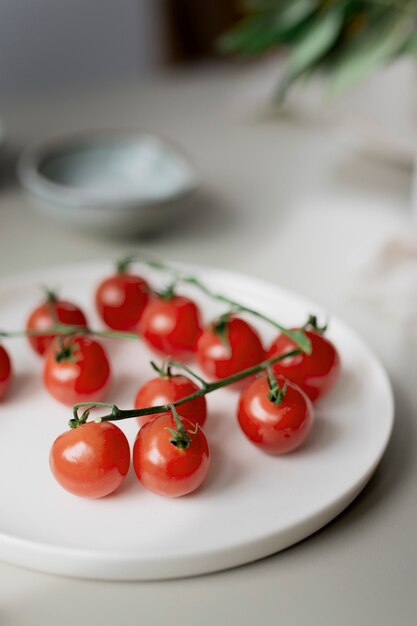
[387, 280]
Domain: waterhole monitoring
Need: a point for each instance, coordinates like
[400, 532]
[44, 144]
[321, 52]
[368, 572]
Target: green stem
[183, 367]
[51, 299]
[180, 438]
[164, 370]
[113, 334]
[276, 393]
[120, 414]
[66, 329]
[313, 324]
[297, 336]
[79, 421]
[51, 296]
[123, 264]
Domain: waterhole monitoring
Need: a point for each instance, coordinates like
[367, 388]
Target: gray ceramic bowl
[111, 182]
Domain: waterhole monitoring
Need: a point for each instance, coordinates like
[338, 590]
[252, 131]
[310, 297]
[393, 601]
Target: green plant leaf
[320, 35]
[267, 27]
[410, 46]
[347, 38]
[252, 35]
[292, 12]
[375, 47]
[314, 41]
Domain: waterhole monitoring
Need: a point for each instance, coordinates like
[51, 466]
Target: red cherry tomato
[167, 390]
[121, 300]
[165, 468]
[45, 315]
[275, 428]
[76, 370]
[5, 372]
[91, 460]
[315, 373]
[224, 353]
[171, 326]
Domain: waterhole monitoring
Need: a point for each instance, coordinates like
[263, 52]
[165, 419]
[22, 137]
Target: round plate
[251, 504]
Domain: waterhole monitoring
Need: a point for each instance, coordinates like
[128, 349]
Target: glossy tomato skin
[316, 373]
[275, 429]
[42, 318]
[219, 359]
[171, 326]
[121, 300]
[92, 460]
[167, 390]
[5, 372]
[164, 468]
[84, 377]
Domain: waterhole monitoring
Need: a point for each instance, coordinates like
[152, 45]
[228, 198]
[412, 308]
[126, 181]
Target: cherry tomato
[167, 390]
[171, 326]
[76, 369]
[45, 316]
[227, 350]
[275, 428]
[90, 460]
[121, 300]
[315, 373]
[164, 468]
[5, 372]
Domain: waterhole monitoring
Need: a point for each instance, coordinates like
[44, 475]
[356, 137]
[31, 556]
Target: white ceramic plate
[251, 504]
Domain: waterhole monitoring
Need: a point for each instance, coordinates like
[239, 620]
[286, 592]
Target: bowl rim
[32, 180]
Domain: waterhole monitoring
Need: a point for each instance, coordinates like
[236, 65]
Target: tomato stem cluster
[180, 437]
[121, 414]
[185, 368]
[297, 336]
[313, 324]
[80, 420]
[276, 393]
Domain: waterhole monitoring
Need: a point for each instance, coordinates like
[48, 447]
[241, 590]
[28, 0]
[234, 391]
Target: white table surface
[284, 201]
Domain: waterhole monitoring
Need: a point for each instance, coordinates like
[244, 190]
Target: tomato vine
[117, 414]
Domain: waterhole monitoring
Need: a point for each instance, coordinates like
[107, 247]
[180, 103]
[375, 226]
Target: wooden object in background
[193, 27]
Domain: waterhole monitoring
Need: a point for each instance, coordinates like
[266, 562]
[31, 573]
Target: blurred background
[48, 46]
[263, 120]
